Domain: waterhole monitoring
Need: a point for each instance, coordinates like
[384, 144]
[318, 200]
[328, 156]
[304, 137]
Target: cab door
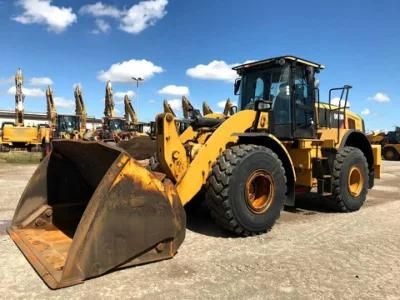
[303, 102]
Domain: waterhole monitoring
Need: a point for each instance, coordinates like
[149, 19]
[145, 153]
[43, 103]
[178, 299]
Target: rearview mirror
[237, 86]
[263, 105]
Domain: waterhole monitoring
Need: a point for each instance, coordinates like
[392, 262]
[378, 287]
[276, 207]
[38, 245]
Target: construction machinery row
[91, 208]
[16, 135]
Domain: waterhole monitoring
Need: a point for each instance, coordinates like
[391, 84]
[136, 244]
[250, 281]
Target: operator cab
[286, 85]
[116, 124]
[68, 123]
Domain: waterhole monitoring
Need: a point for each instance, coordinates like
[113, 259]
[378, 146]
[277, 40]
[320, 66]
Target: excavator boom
[109, 111]
[229, 108]
[168, 108]
[51, 107]
[80, 109]
[19, 99]
[130, 114]
[207, 109]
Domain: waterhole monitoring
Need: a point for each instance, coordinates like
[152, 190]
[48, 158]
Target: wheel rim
[355, 181]
[259, 191]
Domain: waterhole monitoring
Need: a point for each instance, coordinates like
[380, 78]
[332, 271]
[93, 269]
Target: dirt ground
[310, 253]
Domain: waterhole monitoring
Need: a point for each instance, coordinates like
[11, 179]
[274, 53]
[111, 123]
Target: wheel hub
[355, 181]
[259, 191]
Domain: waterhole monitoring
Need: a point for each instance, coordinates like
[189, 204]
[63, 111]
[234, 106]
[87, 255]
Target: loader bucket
[90, 208]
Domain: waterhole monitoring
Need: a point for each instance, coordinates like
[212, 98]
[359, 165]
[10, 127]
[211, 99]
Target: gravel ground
[310, 253]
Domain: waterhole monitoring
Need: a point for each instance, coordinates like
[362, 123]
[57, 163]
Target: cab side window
[259, 90]
[303, 99]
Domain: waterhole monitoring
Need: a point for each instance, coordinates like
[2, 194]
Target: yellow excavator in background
[168, 109]
[116, 129]
[80, 109]
[207, 109]
[132, 120]
[64, 126]
[189, 112]
[16, 135]
[91, 208]
[130, 114]
[229, 109]
[113, 126]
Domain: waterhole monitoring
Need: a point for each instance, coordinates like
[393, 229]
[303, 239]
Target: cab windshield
[268, 84]
[117, 125]
[68, 124]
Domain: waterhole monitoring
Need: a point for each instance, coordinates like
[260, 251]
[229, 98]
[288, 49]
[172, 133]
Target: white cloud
[63, 103]
[33, 92]
[215, 70]
[57, 19]
[132, 20]
[336, 100]
[7, 80]
[221, 104]
[100, 10]
[121, 95]
[176, 104]
[365, 112]
[142, 15]
[380, 97]
[101, 26]
[151, 101]
[124, 71]
[40, 81]
[174, 90]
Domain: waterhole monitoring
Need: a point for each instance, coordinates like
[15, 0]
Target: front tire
[350, 179]
[246, 189]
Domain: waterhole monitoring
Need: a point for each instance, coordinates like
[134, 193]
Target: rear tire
[390, 153]
[350, 179]
[246, 189]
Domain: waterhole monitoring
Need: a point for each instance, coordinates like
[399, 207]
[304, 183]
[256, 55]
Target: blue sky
[191, 45]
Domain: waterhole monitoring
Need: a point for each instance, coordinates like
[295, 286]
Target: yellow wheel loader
[91, 208]
[390, 143]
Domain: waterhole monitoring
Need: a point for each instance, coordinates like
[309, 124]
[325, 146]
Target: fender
[358, 139]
